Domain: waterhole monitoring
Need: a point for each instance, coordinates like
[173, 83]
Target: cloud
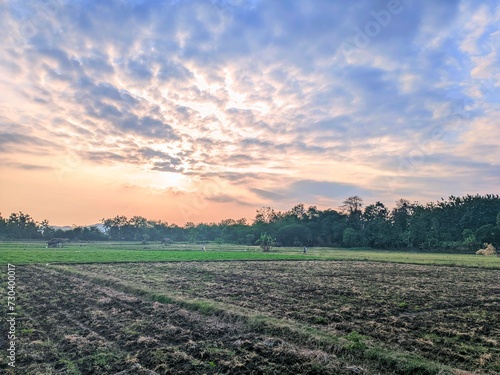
[166, 167]
[223, 198]
[147, 126]
[139, 70]
[15, 142]
[335, 190]
[271, 106]
[105, 157]
[105, 90]
[23, 166]
[311, 191]
[268, 195]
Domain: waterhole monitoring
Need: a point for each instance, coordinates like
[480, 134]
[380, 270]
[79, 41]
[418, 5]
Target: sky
[202, 110]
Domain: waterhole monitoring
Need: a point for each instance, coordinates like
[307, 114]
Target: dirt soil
[71, 324]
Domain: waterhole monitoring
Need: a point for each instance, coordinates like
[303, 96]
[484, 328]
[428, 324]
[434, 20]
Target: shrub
[266, 242]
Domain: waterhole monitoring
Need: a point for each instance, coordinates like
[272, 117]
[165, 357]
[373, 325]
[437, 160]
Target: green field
[105, 252]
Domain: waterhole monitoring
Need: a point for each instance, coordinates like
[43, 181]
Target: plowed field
[276, 317]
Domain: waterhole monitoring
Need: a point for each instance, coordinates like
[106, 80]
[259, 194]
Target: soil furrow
[446, 314]
[84, 318]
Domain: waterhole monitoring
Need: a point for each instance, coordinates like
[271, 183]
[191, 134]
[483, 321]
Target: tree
[352, 208]
[118, 228]
[298, 212]
[469, 238]
[145, 238]
[352, 205]
[293, 235]
[266, 215]
[20, 225]
[453, 223]
[250, 239]
[377, 228]
[486, 233]
[46, 230]
[3, 226]
[374, 212]
[266, 242]
[313, 213]
[352, 238]
[401, 216]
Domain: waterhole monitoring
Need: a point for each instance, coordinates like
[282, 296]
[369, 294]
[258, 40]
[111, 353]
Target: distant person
[305, 250]
[202, 247]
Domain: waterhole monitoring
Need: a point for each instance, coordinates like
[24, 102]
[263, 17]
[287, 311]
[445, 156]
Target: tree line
[456, 223]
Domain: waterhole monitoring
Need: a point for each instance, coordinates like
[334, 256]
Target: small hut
[167, 241]
[56, 242]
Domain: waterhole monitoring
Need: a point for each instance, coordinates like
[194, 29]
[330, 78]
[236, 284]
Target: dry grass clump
[489, 250]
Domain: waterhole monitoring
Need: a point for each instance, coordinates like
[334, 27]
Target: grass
[35, 252]
[110, 252]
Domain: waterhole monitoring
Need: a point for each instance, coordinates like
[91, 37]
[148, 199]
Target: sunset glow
[204, 110]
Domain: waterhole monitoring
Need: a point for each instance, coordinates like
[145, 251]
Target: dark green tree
[377, 227]
[352, 238]
[22, 226]
[352, 207]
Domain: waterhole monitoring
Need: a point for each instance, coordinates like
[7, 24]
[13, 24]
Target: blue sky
[202, 110]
